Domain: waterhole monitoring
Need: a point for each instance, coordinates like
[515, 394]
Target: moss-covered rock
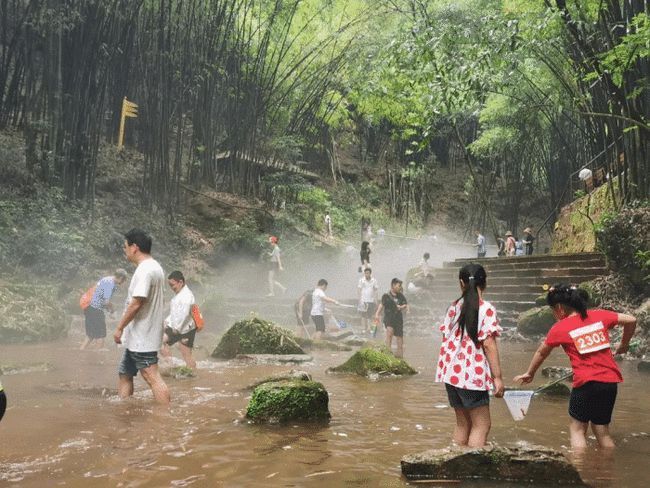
[30, 314]
[556, 372]
[535, 322]
[540, 301]
[256, 336]
[289, 401]
[368, 361]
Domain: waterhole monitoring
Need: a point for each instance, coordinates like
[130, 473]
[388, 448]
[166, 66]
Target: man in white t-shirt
[140, 328]
[318, 300]
[179, 324]
[368, 297]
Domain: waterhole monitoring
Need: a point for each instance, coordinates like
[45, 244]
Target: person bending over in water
[584, 336]
[468, 364]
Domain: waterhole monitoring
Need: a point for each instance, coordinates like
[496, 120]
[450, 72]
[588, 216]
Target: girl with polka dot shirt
[468, 363]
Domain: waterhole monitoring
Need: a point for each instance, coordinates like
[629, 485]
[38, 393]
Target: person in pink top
[468, 363]
[584, 336]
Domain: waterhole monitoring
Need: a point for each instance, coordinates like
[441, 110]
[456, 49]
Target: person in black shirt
[365, 256]
[528, 241]
[393, 304]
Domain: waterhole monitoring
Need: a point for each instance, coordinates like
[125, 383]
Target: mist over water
[391, 257]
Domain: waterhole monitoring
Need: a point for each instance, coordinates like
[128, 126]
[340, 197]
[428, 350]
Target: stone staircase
[515, 282]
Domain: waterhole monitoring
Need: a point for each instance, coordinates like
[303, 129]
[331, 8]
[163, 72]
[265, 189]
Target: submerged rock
[85, 390]
[322, 345]
[355, 341]
[644, 366]
[178, 372]
[556, 372]
[289, 401]
[526, 465]
[557, 389]
[8, 369]
[535, 322]
[369, 361]
[289, 375]
[275, 358]
[256, 336]
[340, 335]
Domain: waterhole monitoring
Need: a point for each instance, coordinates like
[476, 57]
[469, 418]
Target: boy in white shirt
[318, 300]
[179, 324]
[368, 298]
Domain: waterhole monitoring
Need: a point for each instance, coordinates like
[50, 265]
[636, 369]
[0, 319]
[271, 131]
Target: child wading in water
[469, 358]
[584, 336]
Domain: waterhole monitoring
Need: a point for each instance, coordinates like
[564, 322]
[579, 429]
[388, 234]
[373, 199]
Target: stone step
[519, 260]
[577, 271]
[591, 263]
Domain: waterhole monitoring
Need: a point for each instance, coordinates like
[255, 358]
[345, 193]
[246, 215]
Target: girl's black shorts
[593, 402]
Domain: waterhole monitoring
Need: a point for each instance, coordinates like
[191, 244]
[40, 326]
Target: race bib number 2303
[590, 338]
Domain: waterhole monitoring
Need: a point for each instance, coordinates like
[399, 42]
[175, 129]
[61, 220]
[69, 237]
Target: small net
[518, 402]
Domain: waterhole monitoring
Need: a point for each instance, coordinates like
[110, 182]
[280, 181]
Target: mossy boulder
[540, 301]
[557, 372]
[289, 401]
[535, 322]
[30, 314]
[557, 390]
[523, 465]
[256, 336]
[369, 361]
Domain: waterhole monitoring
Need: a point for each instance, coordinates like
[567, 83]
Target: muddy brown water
[64, 427]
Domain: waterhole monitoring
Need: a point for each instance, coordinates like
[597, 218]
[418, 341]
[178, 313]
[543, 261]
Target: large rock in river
[368, 361]
[524, 465]
[256, 336]
[535, 322]
[289, 401]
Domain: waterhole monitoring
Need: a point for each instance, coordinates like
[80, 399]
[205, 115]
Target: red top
[586, 342]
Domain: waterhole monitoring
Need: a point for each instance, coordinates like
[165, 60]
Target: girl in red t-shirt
[584, 336]
[468, 362]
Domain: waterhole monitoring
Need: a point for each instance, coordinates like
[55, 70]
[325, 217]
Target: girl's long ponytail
[473, 277]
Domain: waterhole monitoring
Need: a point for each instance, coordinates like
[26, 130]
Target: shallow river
[51, 436]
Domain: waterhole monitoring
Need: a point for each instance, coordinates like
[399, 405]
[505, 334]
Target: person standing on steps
[584, 336]
[275, 266]
[318, 300]
[94, 314]
[501, 246]
[367, 297]
[528, 241]
[179, 326]
[394, 305]
[140, 328]
[480, 244]
[365, 255]
[468, 362]
[510, 244]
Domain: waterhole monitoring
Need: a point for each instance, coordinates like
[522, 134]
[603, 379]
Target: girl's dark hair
[569, 296]
[473, 277]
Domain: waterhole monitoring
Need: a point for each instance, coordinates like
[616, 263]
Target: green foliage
[255, 336]
[289, 400]
[242, 238]
[30, 314]
[368, 361]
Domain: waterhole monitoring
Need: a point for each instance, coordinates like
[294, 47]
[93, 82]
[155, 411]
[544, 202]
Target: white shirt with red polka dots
[461, 363]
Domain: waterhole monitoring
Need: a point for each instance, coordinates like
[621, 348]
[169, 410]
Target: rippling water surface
[65, 427]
